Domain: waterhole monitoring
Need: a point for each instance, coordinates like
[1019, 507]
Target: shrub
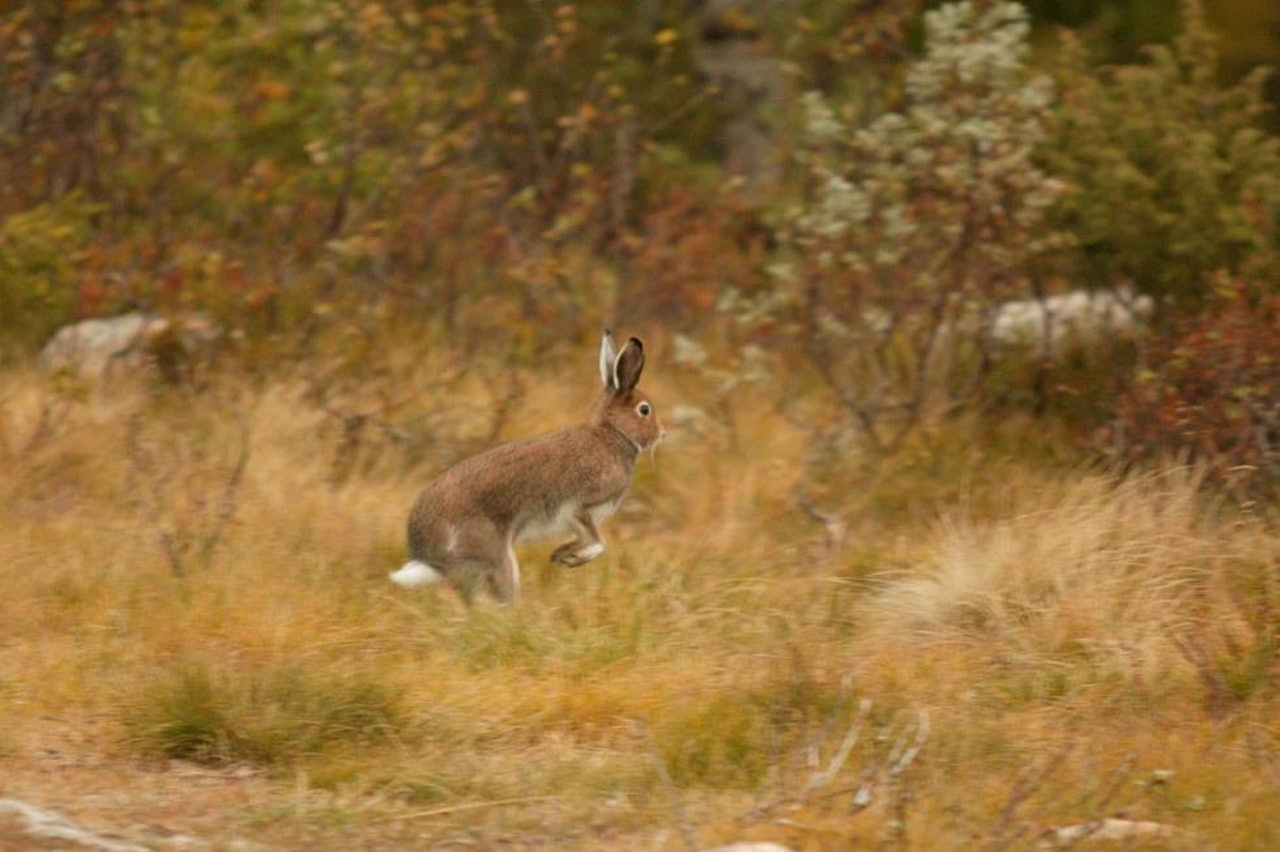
[38, 252]
[264, 716]
[1171, 176]
[1212, 394]
[922, 219]
[255, 159]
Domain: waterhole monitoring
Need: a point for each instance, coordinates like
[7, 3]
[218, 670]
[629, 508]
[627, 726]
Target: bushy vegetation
[1173, 177]
[900, 576]
[1210, 394]
[930, 214]
[258, 159]
[268, 717]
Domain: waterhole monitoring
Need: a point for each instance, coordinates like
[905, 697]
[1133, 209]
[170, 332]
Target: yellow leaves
[667, 37]
[271, 89]
[318, 152]
[264, 174]
[434, 153]
[518, 97]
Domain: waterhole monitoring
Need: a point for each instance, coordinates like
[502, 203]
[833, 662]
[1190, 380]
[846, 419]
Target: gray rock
[94, 348]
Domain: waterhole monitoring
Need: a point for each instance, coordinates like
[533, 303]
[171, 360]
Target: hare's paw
[572, 555]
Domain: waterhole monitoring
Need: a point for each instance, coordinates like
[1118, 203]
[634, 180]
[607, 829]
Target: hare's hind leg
[499, 572]
[504, 579]
[587, 546]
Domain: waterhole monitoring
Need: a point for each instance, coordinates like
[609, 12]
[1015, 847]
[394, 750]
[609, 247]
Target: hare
[464, 525]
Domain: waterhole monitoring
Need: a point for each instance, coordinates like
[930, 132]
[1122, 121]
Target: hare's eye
[644, 408]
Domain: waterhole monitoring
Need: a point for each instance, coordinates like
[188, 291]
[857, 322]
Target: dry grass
[1015, 647]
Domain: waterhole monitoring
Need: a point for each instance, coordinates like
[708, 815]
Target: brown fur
[465, 523]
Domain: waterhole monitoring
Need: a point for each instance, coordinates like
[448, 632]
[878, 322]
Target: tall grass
[719, 668]
[272, 716]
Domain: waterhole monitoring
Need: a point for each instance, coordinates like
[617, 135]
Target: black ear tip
[635, 341]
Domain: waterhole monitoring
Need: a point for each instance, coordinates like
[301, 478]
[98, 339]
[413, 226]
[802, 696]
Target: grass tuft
[272, 716]
[1040, 616]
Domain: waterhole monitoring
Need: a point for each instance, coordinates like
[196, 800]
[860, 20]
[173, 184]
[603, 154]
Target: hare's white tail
[415, 573]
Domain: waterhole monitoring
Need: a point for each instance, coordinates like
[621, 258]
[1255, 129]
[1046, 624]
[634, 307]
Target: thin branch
[821, 779]
[1088, 829]
[1026, 786]
[681, 111]
[445, 810]
[230, 490]
[677, 806]
[1219, 695]
[834, 526]
[901, 756]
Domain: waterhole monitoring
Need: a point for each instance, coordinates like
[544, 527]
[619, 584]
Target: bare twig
[622, 188]
[53, 410]
[505, 406]
[834, 527]
[187, 524]
[230, 491]
[1027, 784]
[821, 779]
[144, 467]
[909, 755]
[900, 757]
[677, 805]
[446, 810]
[681, 111]
[1219, 694]
[1088, 829]
[40, 823]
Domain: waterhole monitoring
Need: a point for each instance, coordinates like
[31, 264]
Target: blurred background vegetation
[963, 317]
[295, 168]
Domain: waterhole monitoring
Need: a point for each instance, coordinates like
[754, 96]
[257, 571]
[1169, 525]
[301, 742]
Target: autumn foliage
[1212, 393]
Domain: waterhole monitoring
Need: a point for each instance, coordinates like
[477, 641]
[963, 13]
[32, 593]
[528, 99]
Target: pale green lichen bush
[916, 224]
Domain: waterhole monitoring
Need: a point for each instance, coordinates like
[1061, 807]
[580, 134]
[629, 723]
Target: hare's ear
[608, 355]
[628, 366]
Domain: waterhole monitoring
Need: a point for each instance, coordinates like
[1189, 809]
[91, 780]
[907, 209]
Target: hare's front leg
[587, 546]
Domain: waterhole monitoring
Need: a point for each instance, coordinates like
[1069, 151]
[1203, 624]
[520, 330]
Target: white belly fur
[560, 524]
[542, 527]
[604, 510]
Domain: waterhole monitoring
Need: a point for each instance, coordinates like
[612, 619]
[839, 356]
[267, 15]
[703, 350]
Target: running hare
[463, 526]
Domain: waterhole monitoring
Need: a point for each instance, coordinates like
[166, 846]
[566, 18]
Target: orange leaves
[271, 89]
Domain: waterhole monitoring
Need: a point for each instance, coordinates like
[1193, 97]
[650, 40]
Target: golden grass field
[1006, 644]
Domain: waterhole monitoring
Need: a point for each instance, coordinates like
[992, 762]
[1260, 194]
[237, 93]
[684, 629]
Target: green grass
[271, 717]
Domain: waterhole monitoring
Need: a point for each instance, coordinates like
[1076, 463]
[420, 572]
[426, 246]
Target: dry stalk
[821, 779]
[677, 804]
[230, 493]
[1193, 653]
[1029, 782]
[463, 807]
[899, 759]
[835, 528]
[143, 466]
[1091, 827]
[53, 411]
[202, 530]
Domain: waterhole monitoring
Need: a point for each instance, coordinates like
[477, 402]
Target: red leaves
[1213, 393]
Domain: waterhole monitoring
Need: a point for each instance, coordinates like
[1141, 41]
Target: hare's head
[622, 407]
